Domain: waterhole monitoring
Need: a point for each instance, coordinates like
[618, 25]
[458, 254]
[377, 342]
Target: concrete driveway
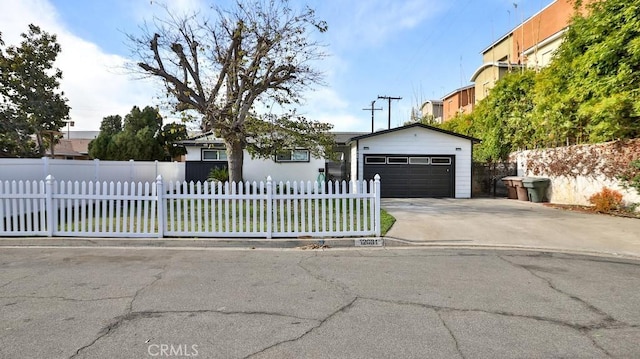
[509, 223]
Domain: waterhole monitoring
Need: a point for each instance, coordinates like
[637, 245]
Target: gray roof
[345, 137]
[472, 139]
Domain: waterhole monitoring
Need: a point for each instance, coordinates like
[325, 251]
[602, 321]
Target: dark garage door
[412, 176]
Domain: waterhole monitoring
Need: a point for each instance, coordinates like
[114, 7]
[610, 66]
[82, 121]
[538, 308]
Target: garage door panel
[412, 180]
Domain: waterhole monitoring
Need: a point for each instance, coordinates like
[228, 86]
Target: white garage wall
[420, 141]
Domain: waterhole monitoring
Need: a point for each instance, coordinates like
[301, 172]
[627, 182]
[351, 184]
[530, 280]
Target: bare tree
[258, 51]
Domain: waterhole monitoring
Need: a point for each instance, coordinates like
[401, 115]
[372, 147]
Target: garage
[412, 175]
[415, 161]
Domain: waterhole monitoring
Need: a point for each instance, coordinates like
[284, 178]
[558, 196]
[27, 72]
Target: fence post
[48, 189]
[96, 170]
[131, 165]
[269, 207]
[45, 166]
[160, 203]
[376, 188]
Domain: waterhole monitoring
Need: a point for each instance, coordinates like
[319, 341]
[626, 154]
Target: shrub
[218, 174]
[606, 200]
[631, 176]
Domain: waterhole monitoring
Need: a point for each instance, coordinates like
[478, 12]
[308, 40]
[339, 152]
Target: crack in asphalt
[578, 257]
[455, 340]
[606, 322]
[607, 318]
[63, 298]
[14, 280]
[342, 287]
[117, 322]
[157, 313]
[309, 331]
[573, 326]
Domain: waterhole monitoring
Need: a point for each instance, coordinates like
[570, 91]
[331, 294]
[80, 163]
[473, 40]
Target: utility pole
[372, 109]
[389, 98]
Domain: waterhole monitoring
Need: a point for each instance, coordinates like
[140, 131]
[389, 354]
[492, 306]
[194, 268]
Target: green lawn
[186, 218]
[386, 222]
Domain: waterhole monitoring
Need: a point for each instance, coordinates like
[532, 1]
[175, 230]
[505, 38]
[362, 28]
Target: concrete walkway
[509, 223]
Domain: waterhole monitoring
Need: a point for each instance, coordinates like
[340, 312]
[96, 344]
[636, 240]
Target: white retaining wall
[34, 169]
[577, 186]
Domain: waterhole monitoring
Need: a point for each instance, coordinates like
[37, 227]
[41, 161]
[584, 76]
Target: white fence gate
[181, 209]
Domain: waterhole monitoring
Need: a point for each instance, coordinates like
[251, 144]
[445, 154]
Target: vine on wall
[611, 160]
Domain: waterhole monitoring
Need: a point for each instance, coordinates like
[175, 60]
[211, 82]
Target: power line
[389, 98]
[372, 109]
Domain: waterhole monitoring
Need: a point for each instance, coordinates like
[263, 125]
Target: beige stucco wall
[486, 80]
[499, 51]
[542, 55]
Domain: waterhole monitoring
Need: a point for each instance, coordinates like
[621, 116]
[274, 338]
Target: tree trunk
[235, 158]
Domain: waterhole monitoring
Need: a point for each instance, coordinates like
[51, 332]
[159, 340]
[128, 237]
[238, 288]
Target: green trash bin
[536, 188]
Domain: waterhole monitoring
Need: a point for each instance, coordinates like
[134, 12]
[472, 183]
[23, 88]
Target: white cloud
[326, 105]
[146, 10]
[93, 80]
[375, 22]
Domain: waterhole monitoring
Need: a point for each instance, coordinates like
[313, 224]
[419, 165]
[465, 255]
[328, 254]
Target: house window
[214, 155]
[293, 156]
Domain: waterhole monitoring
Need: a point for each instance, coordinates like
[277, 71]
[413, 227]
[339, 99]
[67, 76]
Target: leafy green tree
[591, 90]
[103, 147]
[272, 134]
[169, 136]
[136, 139]
[461, 123]
[502, 120]
[30, 100]
[254, 52]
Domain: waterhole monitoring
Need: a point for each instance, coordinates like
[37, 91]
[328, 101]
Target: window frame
[390, 160]
[291, 158]
[368, 162]
[448, 161]
[216, 151]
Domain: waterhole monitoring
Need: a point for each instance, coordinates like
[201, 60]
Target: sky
[414, 49]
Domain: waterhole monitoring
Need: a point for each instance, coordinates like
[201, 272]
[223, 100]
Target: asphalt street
[335, 303]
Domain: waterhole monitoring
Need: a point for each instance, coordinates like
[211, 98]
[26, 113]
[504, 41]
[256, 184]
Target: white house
[205, 152]
[415, 161]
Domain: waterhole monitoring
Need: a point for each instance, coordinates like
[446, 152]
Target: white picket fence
[181, 209]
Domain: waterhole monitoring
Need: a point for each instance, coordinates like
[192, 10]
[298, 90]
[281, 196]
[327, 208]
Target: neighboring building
[415, 160]
[530, 44]
[432, 110]
[459, 101]
[74, 145]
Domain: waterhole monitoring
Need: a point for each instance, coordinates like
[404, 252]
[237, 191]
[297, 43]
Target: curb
[177, 243]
